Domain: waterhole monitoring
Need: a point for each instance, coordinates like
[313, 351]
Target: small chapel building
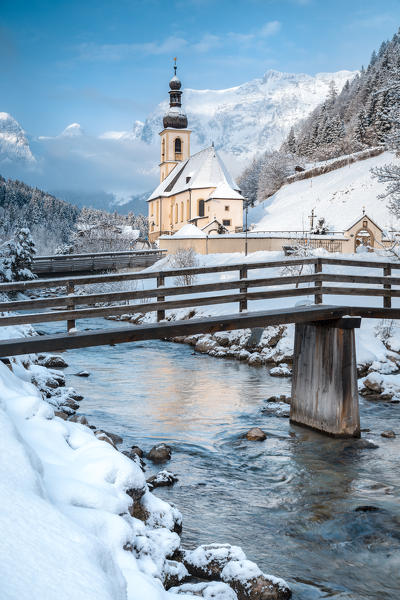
[195, 189]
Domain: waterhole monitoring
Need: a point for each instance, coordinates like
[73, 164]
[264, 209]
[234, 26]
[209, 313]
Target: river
[290, 501]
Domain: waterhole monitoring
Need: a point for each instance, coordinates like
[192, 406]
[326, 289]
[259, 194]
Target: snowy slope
[338, 196]
[253, 116]
[14, 146]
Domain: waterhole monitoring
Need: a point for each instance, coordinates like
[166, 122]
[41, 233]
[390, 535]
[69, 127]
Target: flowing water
[290, 502]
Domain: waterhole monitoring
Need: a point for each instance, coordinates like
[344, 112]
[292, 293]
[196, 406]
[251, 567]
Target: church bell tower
[175, 137]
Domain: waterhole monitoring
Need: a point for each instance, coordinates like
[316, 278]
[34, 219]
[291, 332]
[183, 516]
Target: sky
[105, 64]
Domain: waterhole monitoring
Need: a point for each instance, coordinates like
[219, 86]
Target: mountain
[242, 121]
[251, 117]
[14, 146]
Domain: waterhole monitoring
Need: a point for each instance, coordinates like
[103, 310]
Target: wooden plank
[387, 299]
[149, 331]
[374, 279]
[351, 262]
[92, 313]
[90, 299]
[318, 282]
[349, 291]
[366, 312]
[89, 279]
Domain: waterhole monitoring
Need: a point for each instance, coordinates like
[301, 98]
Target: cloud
[207, 42]
[117, 52]
[270, 28]
[173, 44]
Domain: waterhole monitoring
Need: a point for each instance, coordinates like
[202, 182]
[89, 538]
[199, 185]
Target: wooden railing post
[160, 283]
[243, 288]
[70, 304]
[387, 299]
[318, 284]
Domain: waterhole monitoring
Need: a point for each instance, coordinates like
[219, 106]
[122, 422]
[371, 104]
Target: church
[197, 189]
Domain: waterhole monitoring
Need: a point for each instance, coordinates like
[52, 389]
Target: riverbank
[87, 510]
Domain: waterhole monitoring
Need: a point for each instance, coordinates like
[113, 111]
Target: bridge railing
[94, 261]
[71, 306]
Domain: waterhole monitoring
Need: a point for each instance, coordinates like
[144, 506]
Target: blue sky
[105, 64]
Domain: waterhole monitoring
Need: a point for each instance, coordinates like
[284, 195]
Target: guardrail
[96, 261]
[241, 290]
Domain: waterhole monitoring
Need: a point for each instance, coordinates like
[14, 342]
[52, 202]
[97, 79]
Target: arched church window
[163, 150]
[181, 211]
[201, 208]
[176, 213]
[178, 145]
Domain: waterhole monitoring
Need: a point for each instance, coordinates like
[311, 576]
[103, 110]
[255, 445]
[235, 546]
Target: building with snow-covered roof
[194, 189]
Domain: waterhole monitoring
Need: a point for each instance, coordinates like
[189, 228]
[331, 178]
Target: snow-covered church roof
[202, 170]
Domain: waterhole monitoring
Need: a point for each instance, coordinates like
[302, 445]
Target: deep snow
[339, 196]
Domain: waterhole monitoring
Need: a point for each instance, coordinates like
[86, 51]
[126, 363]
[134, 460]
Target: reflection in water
[289, 501]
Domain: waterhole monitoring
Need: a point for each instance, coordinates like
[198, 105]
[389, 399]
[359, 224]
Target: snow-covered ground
[77, 519]
[339, 196]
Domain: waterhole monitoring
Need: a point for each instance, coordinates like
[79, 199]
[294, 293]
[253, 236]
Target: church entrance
[364, 238]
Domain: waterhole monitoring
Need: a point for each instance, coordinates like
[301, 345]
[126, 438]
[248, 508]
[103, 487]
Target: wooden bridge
[98, 261]
[324, 385]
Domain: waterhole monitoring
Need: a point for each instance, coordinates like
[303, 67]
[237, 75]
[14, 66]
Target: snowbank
[66, 497]
[339, 197]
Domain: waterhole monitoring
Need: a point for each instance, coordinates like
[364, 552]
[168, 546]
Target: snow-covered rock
[250, 583]
[208, 561]
[14, 145]
[282, 370]
[211, 590]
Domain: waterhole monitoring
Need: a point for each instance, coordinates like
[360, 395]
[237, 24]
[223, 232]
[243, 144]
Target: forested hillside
[359, 117]
[49, 219]
[57, 225]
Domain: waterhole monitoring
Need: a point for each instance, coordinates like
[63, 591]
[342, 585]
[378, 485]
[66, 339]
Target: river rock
[136, 458]
[212, 590]
[389, 433]
[205, 344]
[256, 359]
[162, 479]
[222, 338]
[117, 439]
[255, 434]
[174, 573]
[366, 508]
[70, 404]
[374, 383]
[362, 444]
[52, 361]
[82, 374]
[79, 419]
[282, 370]
[61, 414]
[104, 437]
[277, 409]
[137, 450]
[160, 453]
[250, 583]
[208, 561]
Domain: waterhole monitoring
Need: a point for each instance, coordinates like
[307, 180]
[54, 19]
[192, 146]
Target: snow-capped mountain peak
[251, 117]
[14, 146]
[72, 130]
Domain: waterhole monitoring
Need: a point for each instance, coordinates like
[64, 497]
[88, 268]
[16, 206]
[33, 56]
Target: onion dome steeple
[175, 116]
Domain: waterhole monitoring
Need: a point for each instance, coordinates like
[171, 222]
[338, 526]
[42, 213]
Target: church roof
[202, 170]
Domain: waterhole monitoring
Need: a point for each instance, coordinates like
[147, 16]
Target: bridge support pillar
[324, 384]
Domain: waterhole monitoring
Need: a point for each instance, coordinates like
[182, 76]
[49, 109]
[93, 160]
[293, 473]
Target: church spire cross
[175, 117]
